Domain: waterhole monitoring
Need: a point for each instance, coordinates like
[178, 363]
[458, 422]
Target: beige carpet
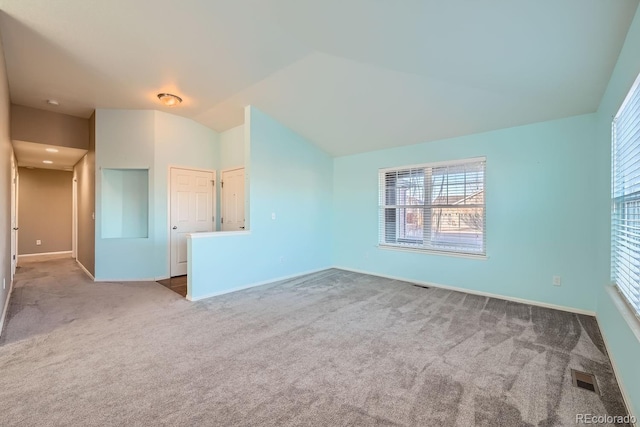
[332, 348]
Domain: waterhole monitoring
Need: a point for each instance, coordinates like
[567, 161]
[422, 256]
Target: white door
[14, 217]
[191, 211]
[232, 203]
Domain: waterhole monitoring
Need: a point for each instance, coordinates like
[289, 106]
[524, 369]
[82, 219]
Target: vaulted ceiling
[350, 75]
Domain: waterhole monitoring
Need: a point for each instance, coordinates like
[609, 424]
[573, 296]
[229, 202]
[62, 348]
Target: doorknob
[15, 228]
[241, 228]
[175, 227]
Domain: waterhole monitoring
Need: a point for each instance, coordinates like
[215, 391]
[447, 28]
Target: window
[434, 207]
[625, 195]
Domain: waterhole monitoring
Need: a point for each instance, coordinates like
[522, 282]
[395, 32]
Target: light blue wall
[124, 140]
[125, 207]
[232, 148]
[291, 177]
[154, 140]
[624, 347]
[179, 142]
[539, 204]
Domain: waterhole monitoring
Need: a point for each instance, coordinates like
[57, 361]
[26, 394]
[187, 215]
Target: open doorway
[45, 212]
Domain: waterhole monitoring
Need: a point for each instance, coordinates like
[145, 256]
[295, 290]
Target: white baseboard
[6, 308]
[150, 279]
[474, 292]
[44, 254]
[252, 285]
[616, 373]
[88, 273]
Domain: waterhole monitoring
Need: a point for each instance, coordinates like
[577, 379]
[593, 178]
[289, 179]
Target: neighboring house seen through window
[434, 207]
[625, 203]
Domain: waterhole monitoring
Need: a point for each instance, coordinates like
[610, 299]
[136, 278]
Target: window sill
[627, 313]
[433, 252]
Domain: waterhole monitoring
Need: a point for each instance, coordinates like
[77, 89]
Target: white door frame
[74, 216]
[14, 213]
[168, 255]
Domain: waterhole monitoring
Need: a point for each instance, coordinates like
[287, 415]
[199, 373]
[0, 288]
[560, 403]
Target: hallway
[52, 292]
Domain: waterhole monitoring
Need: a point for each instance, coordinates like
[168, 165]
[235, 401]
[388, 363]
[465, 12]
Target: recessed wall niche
[125, 203]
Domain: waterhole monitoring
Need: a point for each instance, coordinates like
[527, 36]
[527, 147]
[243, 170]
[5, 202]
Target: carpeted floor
[331, 348]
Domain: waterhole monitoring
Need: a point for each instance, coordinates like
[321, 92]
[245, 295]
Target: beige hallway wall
[6, 156]
[85, 171]
[46, 127]
[44, 210]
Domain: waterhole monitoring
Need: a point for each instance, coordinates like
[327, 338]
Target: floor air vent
[420, 286]
[584, 380]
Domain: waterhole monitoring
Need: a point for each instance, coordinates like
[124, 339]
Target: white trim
[111, 280]
[474, 292]
[74, 215]
[44, 254]
[616, 371]
[85, 270]
[252, 285]
[217, 234]
[6, 308]
[235, 168]
[436, 164]
[390, 247]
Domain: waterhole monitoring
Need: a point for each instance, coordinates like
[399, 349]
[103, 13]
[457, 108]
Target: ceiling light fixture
[51, 150]
[47, 162]
[53, 102]
[169, 100]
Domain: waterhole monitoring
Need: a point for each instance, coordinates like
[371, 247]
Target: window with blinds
[434, 207]
[625, 198]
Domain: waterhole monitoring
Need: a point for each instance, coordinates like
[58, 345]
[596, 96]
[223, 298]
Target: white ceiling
[32, 154]
[351, 75]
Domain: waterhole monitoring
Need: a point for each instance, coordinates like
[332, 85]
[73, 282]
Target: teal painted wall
[182, 143]
[153, 140]
[624, 347]
[124, 140]
[288, 176]
[539, 204]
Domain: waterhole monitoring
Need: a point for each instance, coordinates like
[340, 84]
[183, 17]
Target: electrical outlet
[3, 284]
[38, 242]
[557, 280]
[281, 259]
[273, 215]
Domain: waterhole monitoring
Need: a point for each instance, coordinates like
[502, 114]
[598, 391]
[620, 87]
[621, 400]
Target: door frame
[213, 201]
[15, 224]
[74, 216]
[222, 171]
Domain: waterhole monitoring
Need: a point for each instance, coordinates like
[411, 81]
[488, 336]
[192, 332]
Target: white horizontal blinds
[435, 207]
[625, 206]
[458, 213]
[402, 198]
